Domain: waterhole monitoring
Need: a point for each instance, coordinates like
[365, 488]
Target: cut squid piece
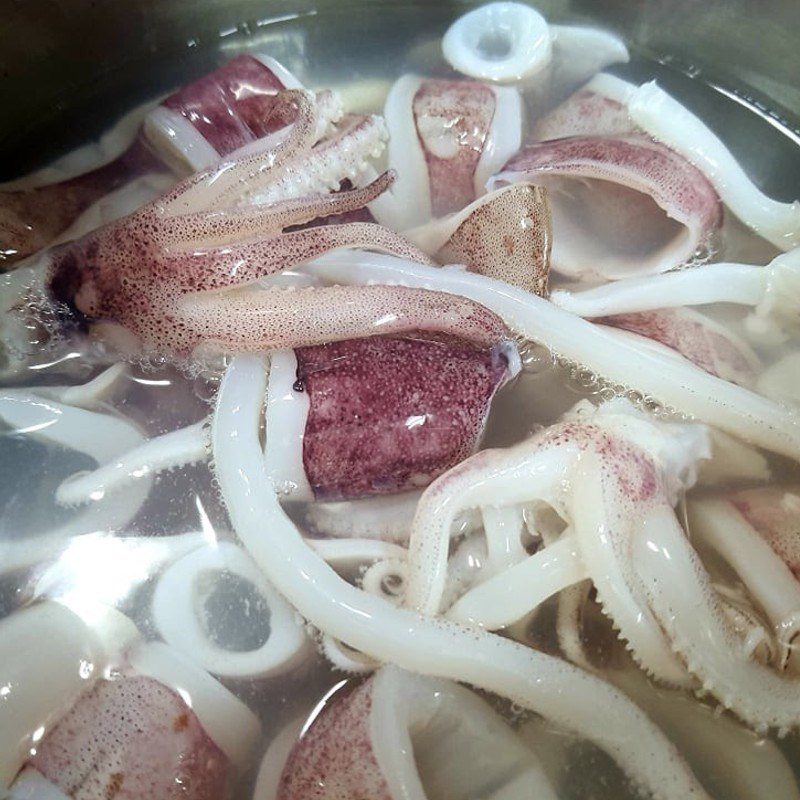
[499, 42]
[600, 108]
[664, 118]
[614, 476]
[377, 415]
[189, 130]
[181, 613]
[621, 205]
[609, 354]
[446, 139]
[437, 648]
[701, 340]
[400, 735]
[507, 42]
[50, 654]
[721, 526]
[504, 234]
[159, 722]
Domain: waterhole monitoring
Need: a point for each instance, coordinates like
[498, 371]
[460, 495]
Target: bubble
[205, 386]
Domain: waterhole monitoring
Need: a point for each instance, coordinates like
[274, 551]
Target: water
[159, 400]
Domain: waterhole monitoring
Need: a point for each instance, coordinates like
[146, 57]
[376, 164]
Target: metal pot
[68, 67]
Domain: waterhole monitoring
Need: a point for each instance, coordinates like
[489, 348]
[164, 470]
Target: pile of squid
[363, 290]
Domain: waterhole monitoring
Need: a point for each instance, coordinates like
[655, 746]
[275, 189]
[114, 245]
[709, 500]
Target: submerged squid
[175, 279]
[614, 477]
[189, 130]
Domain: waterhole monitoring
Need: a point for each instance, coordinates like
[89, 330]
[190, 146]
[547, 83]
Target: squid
[659, 307]
[167, 282]
[74, 643]
[707, 344]
[614, 478]
[73, 417]
[621, 205]
[599, 108]
[358, 418]
[381, 740]
[755, 766]
[595, 457]
[755, 532]
[412, 641]
[187, 131]
[771, 291]
[506, 234]
[664, 118]
[181, 611]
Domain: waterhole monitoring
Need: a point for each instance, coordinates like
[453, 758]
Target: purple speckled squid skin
[132, 738]
[392, 413]
[229, 107]
[232, 105]
[463, 111]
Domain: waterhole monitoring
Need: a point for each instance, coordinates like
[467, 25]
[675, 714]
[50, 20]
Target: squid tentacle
[769, 580]
[272, 318]
[686, 605]
[509, 595]
[428, 646]
[216, 186]
[240, 264]
[169, 451]
[218, 228]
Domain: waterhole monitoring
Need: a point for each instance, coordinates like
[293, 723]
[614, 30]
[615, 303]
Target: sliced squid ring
[177, 616]
[499, 42]
[512, 42]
